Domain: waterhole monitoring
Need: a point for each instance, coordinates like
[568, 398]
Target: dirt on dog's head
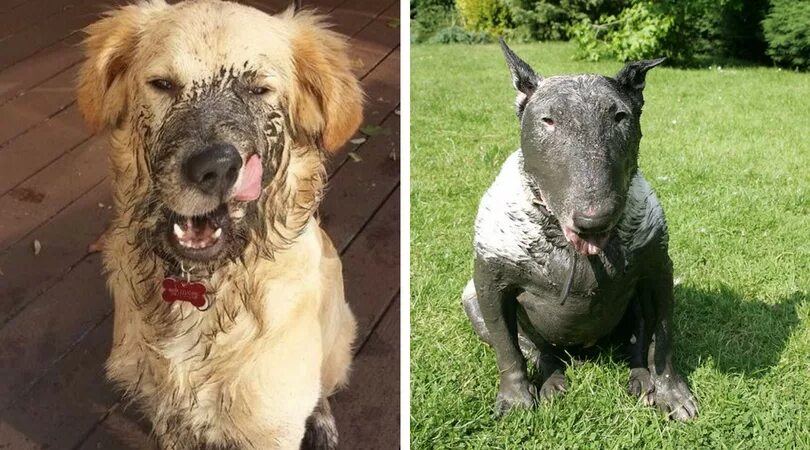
[220, 118]
[580, 137]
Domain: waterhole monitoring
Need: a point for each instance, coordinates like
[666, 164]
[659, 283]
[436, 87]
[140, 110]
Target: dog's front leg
[498, 304]
[640, 318]
[672, 395]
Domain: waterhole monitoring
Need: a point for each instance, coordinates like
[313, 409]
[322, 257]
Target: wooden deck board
[55, 315]
[363, 411]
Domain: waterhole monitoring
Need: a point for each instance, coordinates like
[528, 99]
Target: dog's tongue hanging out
[585, 244]
[250, 186]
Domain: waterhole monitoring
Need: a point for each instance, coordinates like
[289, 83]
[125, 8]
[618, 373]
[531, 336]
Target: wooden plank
[361, 185]
[15, 80]
[49, 329]
[53, 29]
[367, 413]
[10, 5]
[371, 8]
[372, 44]
[38, 104]
[40, 147]
[64, 241]
[30, 13]
[51, 415]
[120, 430]
[371, 265]
[45, 194]
[391, 13]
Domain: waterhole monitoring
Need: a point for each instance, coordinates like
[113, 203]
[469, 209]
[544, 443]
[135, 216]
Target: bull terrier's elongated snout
[593, 220]
[214, 169]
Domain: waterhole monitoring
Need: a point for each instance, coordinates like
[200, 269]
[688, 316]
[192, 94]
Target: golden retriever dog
[231, 329]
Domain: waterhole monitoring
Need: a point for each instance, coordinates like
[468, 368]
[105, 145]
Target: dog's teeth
[218, 233]
[178, 231]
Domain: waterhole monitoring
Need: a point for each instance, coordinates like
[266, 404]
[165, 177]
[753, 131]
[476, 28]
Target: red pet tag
[185, 291]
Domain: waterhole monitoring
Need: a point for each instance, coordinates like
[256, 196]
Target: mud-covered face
[579, 138]
[220, 117]
[580, 148]
[212, 154]
[211, 118]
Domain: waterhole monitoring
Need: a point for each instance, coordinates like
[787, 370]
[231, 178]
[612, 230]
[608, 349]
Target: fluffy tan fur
[276, 340]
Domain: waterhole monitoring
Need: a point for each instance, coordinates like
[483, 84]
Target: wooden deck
[55, 313]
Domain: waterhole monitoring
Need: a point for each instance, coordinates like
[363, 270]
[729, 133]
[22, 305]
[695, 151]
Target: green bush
[787, 32]
[487, 16]
[638, 32]
[687, 32]
[458, 35]
[550, 20]
[427, 20]
[417, 5]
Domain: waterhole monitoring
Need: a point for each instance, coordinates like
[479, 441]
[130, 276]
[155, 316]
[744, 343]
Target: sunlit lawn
[728, 152]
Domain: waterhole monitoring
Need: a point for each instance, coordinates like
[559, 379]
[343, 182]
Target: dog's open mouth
[586, 244]
[199, 238]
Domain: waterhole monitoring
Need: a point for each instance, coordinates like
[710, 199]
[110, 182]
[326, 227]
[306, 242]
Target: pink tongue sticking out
[250, 186]
[586, 245]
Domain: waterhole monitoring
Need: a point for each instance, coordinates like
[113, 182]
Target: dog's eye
[259, 90]
[548, 121]
[162, 84]
[621, 115]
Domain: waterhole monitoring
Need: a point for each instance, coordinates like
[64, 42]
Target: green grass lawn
[728, 152]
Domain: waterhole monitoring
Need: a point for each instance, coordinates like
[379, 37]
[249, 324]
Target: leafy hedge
[787, 31]
[532, 20]
[686, 32]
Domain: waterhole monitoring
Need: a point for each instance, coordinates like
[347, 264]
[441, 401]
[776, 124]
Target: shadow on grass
[738, 335]
[718, 327]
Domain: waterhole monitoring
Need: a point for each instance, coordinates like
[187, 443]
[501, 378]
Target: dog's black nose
[595, 223]
[214, 169]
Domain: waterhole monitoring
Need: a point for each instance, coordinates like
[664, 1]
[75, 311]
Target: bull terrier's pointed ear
[633, 74]
[524, 79]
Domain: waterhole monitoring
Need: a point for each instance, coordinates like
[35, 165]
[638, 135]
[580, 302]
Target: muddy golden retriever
[231, 329]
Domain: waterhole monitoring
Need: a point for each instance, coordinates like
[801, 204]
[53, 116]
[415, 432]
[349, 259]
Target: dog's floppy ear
[633, 74]
[109, 47]
[326, 103]
[524, 79]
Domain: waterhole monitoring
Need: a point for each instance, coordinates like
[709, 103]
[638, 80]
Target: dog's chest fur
[530, 254]
[189, 369]
[183, 367]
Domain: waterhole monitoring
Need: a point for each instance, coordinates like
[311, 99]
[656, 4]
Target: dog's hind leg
[321, 431]
[469, 300]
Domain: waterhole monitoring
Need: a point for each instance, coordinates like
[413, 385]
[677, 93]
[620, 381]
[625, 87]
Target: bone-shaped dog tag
[185, 291]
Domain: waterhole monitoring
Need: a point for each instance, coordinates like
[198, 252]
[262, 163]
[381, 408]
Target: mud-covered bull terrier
[571, 242]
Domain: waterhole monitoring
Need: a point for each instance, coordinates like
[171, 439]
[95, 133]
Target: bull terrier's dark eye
[621, 115]
[162, 84]
[548, 121]
[259, 90]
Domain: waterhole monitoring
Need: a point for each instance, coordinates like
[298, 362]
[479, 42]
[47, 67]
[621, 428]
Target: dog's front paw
[553, 386]
[641, 385]
[515, 396]
[673, 397]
